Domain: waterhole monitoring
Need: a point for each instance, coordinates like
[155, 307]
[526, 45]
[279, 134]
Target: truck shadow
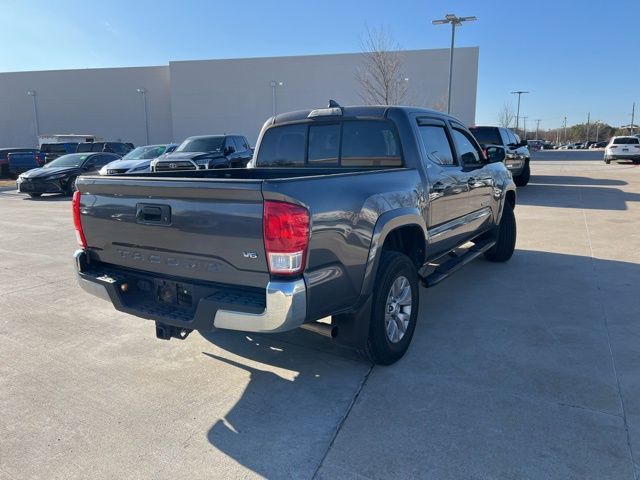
[527, 343]
[576, 192]
[298, 391]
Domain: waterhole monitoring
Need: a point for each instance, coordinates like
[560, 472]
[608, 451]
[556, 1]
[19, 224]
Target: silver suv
[517, 155]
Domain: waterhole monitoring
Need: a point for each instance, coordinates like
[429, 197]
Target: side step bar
[452, 265]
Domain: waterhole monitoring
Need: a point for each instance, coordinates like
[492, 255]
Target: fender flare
[386, 223]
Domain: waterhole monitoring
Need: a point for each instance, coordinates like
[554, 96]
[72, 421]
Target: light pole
[142, 91]
[597, 131]
[519, 93]
[525, 128]
[588, 125]
[564, 125]
[538, 120]
[455, 22]
[275, 84]
[32, 94]
[633, 116]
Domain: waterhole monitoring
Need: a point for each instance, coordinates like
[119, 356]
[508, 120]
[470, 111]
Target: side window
[228, 142]
[282, 147]
[436, 144]
[239, 141]
[97, 147]
[468, 153]
[324, 144]
[370, 143]
[505, 136]
[102, 160]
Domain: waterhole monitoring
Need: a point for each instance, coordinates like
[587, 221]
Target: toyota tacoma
[342, 214]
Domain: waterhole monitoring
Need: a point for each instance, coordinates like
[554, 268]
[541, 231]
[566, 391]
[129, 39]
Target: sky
[573, 57]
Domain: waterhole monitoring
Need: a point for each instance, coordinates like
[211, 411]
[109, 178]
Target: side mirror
[495, 154]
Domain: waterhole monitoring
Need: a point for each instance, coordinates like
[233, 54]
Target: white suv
[623, 148]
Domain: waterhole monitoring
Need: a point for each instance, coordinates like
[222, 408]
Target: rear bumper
[622, 156]
[515, 165]
[281, 307]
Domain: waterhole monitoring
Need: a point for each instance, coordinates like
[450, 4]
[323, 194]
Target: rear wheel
[506, 240]
[607, 161]
[394, 309]
[522, 179]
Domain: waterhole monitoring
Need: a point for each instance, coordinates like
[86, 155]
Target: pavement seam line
[606, 325]
[343, 420]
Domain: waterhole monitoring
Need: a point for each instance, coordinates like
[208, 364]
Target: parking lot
[527, 369]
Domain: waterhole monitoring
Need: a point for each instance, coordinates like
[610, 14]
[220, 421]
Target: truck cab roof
[370, 111]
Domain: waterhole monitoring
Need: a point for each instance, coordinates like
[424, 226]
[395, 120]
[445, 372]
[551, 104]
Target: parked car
[598, 145]
[51, 151]
[622, 148]
[517, 151]
[342, 212]
[60, 175]
[137, 160]
[4, 160]
[206, 152]
[19, 162]
[119, 148]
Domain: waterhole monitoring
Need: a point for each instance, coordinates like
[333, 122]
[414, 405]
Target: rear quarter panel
[344, 210]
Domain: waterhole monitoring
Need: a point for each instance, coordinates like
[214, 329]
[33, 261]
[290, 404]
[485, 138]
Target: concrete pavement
[522, 370]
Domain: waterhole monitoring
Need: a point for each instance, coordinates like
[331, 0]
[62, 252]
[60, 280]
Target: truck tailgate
[201, 229]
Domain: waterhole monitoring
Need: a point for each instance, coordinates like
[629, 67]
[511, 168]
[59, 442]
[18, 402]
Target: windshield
[145, 153]
[71, 160]
[486, 135]
[201, 144]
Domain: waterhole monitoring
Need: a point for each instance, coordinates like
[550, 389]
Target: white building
[211, 96]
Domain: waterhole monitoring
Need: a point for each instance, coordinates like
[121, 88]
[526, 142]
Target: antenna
[333, 104]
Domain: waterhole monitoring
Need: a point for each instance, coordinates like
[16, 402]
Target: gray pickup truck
[342, 213]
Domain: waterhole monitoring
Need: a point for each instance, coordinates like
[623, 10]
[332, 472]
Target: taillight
[286, 237]
[613, 146]
[77, 223]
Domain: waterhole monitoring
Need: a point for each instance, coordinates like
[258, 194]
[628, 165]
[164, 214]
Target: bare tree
[506, 115]
[380, 76]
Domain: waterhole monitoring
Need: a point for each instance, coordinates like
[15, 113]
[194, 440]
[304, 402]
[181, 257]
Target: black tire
[506, 238]
[379, 348]
[522, 179]
[71, 186]
[607, 161]
[35, 195]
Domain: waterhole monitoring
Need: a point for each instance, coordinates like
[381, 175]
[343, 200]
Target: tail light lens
[77, 223]
[286, 237]
[613, 146]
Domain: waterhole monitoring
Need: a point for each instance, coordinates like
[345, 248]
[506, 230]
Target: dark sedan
[59, 176]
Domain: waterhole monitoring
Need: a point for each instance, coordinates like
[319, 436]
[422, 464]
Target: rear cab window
[348, 143]
[487, 135]
[626, 141]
